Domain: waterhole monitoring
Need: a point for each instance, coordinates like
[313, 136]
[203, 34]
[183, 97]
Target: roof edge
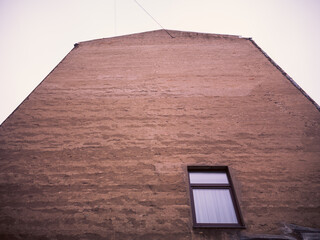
[171, 31]
[285, 74]
[38, 85]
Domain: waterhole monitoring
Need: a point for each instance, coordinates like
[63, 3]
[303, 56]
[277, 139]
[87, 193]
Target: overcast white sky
[36, 34]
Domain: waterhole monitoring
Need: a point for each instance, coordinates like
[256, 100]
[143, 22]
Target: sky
[35, 35]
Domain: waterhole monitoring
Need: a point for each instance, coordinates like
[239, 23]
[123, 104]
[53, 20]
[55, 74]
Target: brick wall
[100, 149]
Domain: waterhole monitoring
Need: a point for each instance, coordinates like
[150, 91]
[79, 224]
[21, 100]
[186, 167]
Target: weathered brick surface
[99, 150]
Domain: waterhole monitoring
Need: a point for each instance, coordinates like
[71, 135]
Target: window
[213, 198]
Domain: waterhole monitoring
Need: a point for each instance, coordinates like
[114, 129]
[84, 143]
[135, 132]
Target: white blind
[214, 206]
[208, 177]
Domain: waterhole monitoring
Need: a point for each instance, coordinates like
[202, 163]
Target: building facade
[139, 136]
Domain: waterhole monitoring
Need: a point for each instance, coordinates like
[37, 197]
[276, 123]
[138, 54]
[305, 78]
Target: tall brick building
[200, 136]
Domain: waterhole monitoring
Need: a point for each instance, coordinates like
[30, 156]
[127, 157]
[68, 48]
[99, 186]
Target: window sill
[219, 226]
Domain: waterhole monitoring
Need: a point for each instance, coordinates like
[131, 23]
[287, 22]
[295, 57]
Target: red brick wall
[100, 149]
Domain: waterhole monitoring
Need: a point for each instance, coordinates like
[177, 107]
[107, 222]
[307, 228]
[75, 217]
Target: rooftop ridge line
[161, 30]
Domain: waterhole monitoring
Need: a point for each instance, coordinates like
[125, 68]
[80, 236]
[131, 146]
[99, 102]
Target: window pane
[214, 206]
[208, 177]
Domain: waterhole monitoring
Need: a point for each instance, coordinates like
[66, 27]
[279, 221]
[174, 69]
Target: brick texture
[100, 148]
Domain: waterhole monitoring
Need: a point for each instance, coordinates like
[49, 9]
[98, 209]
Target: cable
[153, 19]
[115, 17]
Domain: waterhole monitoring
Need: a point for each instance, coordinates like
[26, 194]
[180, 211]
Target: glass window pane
[214, 206]
[208, 177]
